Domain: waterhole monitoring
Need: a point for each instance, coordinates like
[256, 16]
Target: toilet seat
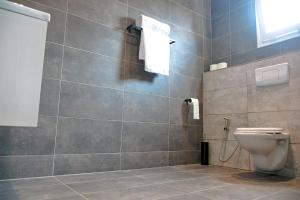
[260, 130]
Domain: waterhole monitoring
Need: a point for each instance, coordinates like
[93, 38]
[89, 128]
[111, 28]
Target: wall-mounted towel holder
[138, 28]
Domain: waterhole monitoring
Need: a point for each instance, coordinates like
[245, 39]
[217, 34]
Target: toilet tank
[22, 46]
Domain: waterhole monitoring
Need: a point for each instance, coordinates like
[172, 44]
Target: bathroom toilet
[268, 146]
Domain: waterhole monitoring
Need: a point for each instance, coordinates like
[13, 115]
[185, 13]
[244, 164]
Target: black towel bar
[138, 28]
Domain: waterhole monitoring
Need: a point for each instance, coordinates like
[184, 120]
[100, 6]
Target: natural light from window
[277, 20]
[280, 14]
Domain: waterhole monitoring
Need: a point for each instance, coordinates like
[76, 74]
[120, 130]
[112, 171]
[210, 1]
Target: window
[277, 20]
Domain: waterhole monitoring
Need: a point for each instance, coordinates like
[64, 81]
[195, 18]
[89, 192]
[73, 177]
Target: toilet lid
[260, 130]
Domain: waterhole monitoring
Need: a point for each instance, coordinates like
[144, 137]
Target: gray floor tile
[93, 177]
[187, 197]
[285, 195]
[195, 185]
[92, 187]
[238, 192]
[149, 171]
[155, 191]
[38, 193]
[8, 185]
[114, 195]
[171, 177]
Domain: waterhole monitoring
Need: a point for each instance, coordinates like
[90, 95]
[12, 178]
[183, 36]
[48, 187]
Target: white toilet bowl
[269, 147]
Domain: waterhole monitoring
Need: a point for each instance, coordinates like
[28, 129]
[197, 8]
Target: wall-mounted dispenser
[22, 46]
[272, 75]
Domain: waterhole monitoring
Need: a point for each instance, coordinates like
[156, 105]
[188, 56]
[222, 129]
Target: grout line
[45, 5]
[123, 92]
[191, 10]
[230, 35]
[272, 193]
[71, 188]
[59, 92]
[194, 192]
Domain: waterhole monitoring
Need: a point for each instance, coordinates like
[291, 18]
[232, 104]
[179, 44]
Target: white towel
[195, 104]
[154, 45]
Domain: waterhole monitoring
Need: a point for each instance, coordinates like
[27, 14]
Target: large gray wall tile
[89, 68]
[56, 26]
[76, 136]
[29, 141]
[159, 8]
[110, 12]
[184, 87]
[84, 163]
[221, 79]
[146, 108]
[90, 102]
[220, 47]
[188, 42]
[224, 101]
[142, 137]
[144, 160]
[94, 37]
[186, 19]
[274, 98]
[184, 157]
[246, 19]
[195, 5]
[220, 26]
[58, 4]
[184, 137]
[53, 61]
[138, 80]
[243, 41]
[186, 63]
[25, 166]
[219, 7]
[49, 97]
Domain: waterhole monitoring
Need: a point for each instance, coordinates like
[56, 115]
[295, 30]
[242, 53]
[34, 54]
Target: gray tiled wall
[234, 34]
[232, 93]
[99, 110]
